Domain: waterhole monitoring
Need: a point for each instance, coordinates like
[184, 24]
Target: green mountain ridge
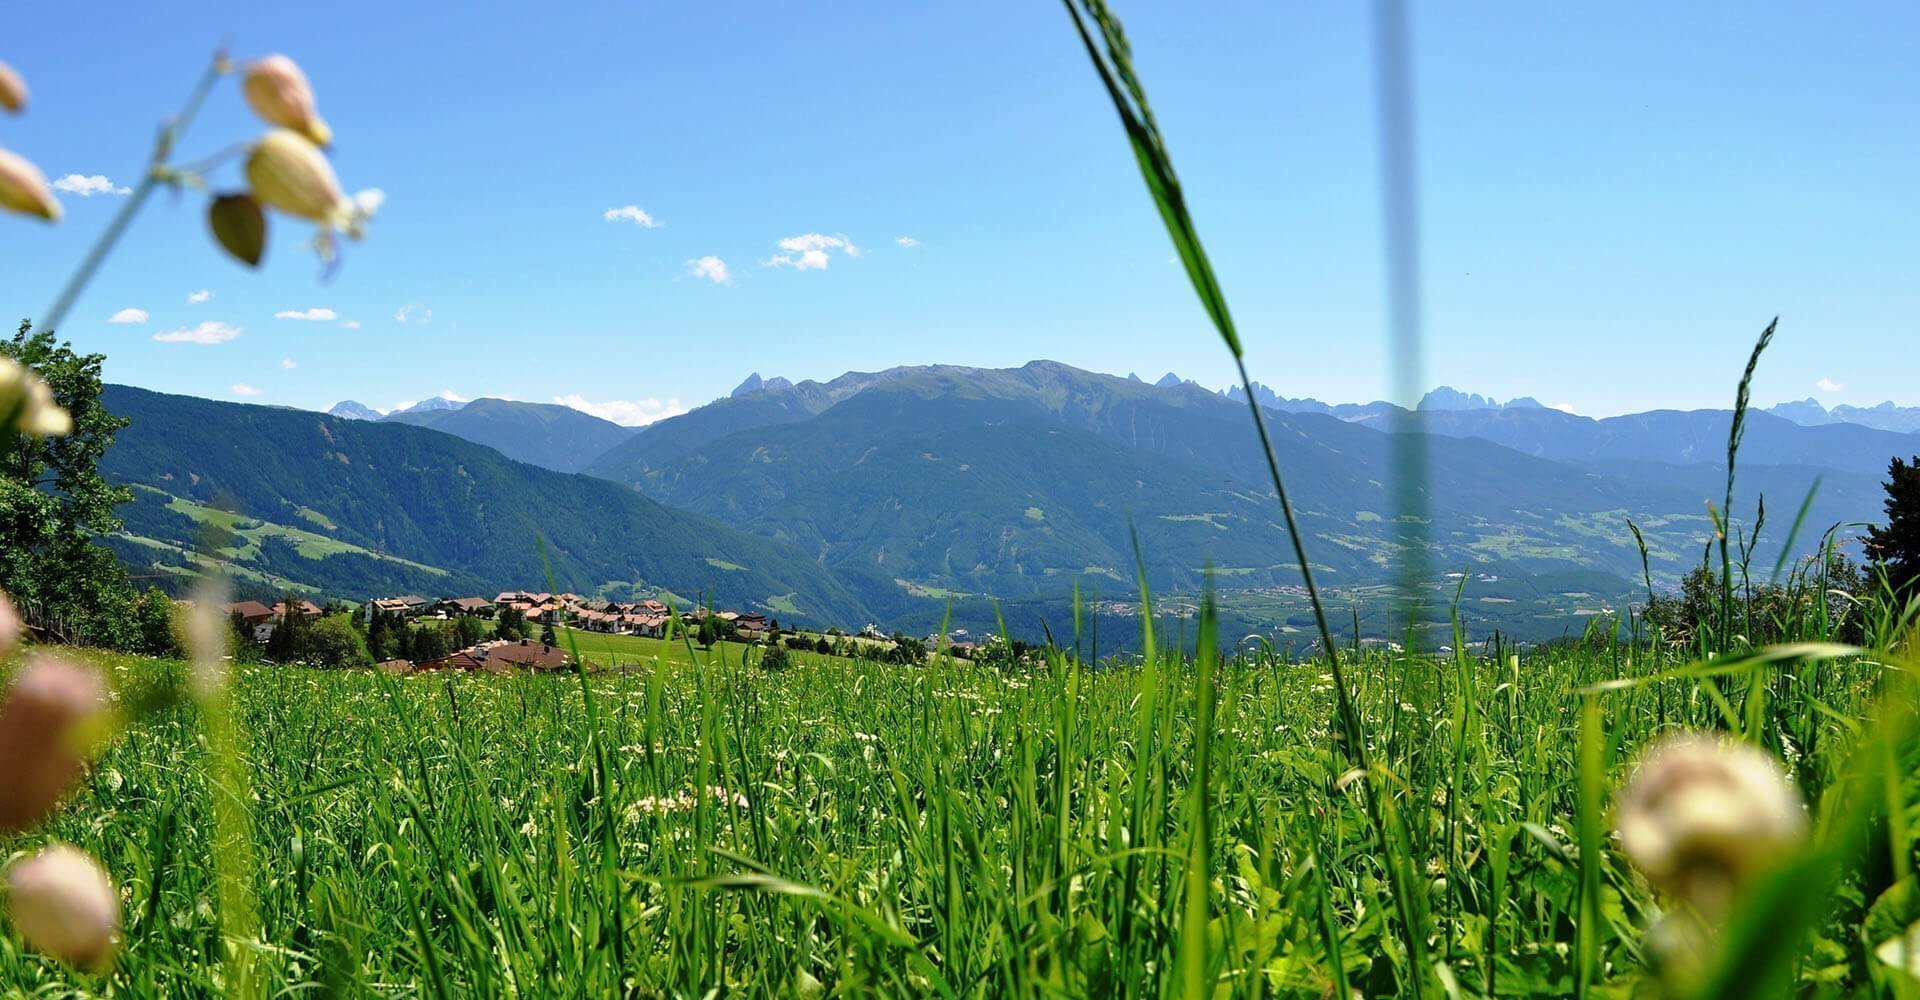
[390, 492]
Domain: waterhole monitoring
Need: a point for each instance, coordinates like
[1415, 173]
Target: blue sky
[1614, 201]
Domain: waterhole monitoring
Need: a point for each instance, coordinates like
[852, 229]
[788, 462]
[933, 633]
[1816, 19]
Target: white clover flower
[63, 904]
[1703, 815]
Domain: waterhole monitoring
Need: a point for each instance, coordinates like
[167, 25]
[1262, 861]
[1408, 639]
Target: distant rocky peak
[352, 410]
[754, 383]
[1447, 397]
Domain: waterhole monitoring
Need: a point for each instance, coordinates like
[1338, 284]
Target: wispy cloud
[413, 312]
[289, 363]
[210, 332]
[711, 268]
[243, 389]
[1563, 408]
[631, 213]
[195, 298]
[128, 315]
[906, 241]
[810, 251]
[1828, 385]
[86, 186]
[352, 324]
[625, 412]
[315, 314]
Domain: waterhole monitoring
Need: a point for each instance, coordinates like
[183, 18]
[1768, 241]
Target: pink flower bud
[289, 173]
[9, 625]
[47, 726]
[63, 904]
[278, 92]
[23, 188]
[13, 90]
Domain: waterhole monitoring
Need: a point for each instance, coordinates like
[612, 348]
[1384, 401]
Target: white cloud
[631, 213]
[200, 296]
[316, 314]
[1828, 385]
[711, 268]
[210, 332]
[809, 252]
[289, 363]
[88, 186]
[625, 412]
[413, 312]
[243, 389]
[1563, 408]
[352, 324]
[128, 315]
[906, 241]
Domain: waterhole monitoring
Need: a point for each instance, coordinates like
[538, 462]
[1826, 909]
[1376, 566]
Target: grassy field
[852, 828]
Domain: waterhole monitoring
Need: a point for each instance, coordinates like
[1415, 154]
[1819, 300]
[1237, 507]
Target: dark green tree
[285, 645]
[1896, 547]
[333, 642]
[547, 636]
[468, 630]
[512, 624]
[54, 502]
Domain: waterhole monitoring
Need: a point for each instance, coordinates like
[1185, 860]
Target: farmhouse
[454, 607]
[306, 609]
[252, 612]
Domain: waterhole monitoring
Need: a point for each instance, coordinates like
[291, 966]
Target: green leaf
[239, 226]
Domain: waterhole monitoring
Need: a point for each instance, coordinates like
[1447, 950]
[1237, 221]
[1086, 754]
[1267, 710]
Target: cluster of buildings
[262, 618]
[649, 619]
[497, 656]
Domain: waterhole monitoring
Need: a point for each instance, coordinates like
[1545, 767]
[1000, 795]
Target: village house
[308, 611]
[252, 612]
[455, 607]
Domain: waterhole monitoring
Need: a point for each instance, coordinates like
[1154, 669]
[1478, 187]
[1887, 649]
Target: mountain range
[910, 494]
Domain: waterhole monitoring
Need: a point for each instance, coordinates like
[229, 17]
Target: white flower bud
[63, 904]
[27, 403]
[9, 625]
[13, 90]
[23, 188]
[278, 92]
[290, 173]
[47, 727]
[1703, 815]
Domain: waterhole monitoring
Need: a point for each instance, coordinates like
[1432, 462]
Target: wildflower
[28, 402]
[278, 92]
[13, 90]
[1703, 815]
[23, 188]
[9, 625]
[47, 725]
[289, 173]
[62, 902]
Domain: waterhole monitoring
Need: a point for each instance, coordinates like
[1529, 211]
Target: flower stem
[170, 133]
